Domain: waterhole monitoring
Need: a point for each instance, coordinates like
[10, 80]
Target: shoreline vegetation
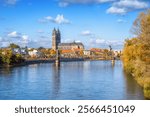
[38, 61]
[14, 55]
[136, 52]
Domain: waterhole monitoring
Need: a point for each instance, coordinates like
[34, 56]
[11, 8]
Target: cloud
[116, 10]
[86, 33]
[121, 21]
[64, 3]
[0, 38]
[25, 37]
[19, 38]
[10, 2]
[136, 4]
[49, 18]
[101, 43]
[40, 43]
[60, 19]
[14, 34]
[125, 6]
[40, 31]
[25, 40]
[3, 42]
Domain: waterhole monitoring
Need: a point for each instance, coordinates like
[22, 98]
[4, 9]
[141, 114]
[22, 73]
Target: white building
[87, 52]
[22, 51]
[34, 53]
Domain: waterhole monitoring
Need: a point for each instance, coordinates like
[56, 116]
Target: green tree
[1, 61]
[12, 45]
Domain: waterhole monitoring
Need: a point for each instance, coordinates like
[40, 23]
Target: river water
[86, 80]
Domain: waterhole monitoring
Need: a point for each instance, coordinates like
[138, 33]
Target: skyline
[96, 23]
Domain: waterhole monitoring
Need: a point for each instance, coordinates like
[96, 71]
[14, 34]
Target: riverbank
[38, 61]
[28, 62]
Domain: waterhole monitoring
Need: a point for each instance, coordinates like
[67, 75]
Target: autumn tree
[136, 53]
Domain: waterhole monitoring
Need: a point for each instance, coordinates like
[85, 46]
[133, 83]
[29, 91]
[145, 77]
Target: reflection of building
[56, 42]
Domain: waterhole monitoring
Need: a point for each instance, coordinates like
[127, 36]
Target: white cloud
[116, 10]
[0, 38]
[86, 33]
[124, 6]
[64, 3]
[49, 18]
[101, 43]
[25, 40]
[3, 42]
[14, 34]
[10, 2]
[25, 37]
[60, 19]
[40, 31]
[18, 38]
[121, 21]
[136, 4]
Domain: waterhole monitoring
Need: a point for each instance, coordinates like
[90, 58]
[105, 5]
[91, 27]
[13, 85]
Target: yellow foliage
[136, 52]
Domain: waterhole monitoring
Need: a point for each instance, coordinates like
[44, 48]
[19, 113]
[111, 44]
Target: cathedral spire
[56, 38]
[54, 31]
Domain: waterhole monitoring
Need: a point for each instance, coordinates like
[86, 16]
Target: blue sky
[96, 23]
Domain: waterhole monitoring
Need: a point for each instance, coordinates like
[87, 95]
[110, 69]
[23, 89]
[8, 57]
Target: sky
[95, 23]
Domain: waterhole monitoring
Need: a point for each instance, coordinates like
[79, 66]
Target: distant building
[87, 52]
[34, 53]
[56, 39]
[70, 46]
[56, 42]
[22, 51]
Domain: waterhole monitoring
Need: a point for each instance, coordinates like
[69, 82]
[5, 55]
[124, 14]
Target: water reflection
[132, 89]
[93, 80]
[56, 80]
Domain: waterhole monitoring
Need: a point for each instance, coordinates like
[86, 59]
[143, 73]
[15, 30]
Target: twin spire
[56, 39]
[56, 31]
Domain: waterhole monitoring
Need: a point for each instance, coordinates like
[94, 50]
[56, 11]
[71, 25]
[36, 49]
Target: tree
[41, 48]
[12, 45]
[1, 61]
[136, 53]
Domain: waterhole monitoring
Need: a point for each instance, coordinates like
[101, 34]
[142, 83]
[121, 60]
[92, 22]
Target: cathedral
[56, 39]
[56, 42]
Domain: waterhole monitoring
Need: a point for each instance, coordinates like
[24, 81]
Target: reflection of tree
[56, 80]
[132, 88]
[5, 71]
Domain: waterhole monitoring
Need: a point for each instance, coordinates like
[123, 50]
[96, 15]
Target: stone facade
[70, 46]
[56, 42]
[56, 39]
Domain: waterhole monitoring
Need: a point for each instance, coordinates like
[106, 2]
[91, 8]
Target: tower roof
[54, 31]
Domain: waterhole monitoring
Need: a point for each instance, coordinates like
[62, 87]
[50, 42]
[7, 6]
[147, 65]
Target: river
[85, 80]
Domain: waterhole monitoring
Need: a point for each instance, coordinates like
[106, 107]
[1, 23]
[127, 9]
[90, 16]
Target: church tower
[56, 39]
